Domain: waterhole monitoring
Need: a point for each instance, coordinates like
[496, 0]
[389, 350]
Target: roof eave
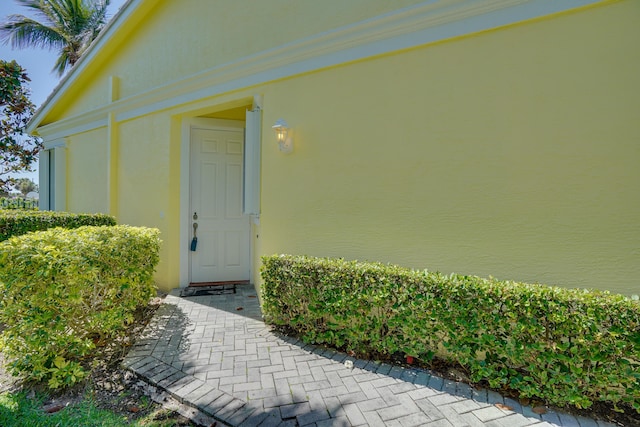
[106, 35]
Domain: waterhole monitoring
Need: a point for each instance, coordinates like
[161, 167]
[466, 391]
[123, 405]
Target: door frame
[185, 187]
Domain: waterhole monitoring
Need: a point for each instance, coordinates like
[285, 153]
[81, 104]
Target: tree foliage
[68, 26]
[25, 186]
[18, 151]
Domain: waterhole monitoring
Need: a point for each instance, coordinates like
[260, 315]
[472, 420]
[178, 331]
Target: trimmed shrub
[565, 346]
[18, 203]
[18, 222]
[64, 292]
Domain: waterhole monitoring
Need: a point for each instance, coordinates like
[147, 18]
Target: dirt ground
[109, 385]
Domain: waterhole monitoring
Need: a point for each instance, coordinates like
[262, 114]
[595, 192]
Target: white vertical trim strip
[60, 178]
[251, 187]
[43, 181]
[50, 176]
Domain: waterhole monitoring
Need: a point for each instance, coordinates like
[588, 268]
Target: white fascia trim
[54, 143]
[211, 123]
[72, 126]
[427, 22]
[94, 49]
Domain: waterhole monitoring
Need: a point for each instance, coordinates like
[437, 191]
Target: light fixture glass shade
[283, 136]
[281, 129]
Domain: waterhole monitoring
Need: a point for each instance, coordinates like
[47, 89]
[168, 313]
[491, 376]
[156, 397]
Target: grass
[18, 409]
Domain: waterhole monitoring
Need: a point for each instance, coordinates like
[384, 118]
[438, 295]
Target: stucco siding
[512, 153]
[217, 32]
[82, 97]
[87, 172]
[144, 183]
[182, 38]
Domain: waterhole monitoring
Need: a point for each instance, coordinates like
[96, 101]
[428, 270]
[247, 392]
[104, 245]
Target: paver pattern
[214, 353]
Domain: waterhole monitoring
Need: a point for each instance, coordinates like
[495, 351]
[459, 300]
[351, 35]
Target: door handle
[194, 240]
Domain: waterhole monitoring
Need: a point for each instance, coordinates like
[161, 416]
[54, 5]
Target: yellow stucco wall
[211, 33]
[510, 153]
[513, 153]
[87, 172]
[146, 192]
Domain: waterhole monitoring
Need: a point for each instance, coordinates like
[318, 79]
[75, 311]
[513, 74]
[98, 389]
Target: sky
[37, 62]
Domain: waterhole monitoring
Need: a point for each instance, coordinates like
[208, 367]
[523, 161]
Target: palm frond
[62, 62]
[22, 32]
[67, 25]
[38, 8]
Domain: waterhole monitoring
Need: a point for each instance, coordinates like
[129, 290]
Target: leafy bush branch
[63, 292]
[14, 222]
[18, 203]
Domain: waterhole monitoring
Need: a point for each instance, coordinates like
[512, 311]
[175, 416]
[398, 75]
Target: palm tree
[68, 26]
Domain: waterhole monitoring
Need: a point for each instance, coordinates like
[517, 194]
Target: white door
[222, 249]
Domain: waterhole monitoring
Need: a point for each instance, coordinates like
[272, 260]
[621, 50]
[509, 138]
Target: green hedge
[17, 222]
[567, 347]
[18, 203]
[64, 292]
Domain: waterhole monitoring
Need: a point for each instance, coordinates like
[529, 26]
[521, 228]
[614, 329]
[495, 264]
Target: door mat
[208, 290]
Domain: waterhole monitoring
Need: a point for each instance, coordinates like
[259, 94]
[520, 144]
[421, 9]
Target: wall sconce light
[285, 143]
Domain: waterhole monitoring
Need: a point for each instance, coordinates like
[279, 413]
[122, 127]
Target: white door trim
[185, 175]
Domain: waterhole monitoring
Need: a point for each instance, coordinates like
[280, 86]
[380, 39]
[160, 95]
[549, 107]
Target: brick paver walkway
[214, 353]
